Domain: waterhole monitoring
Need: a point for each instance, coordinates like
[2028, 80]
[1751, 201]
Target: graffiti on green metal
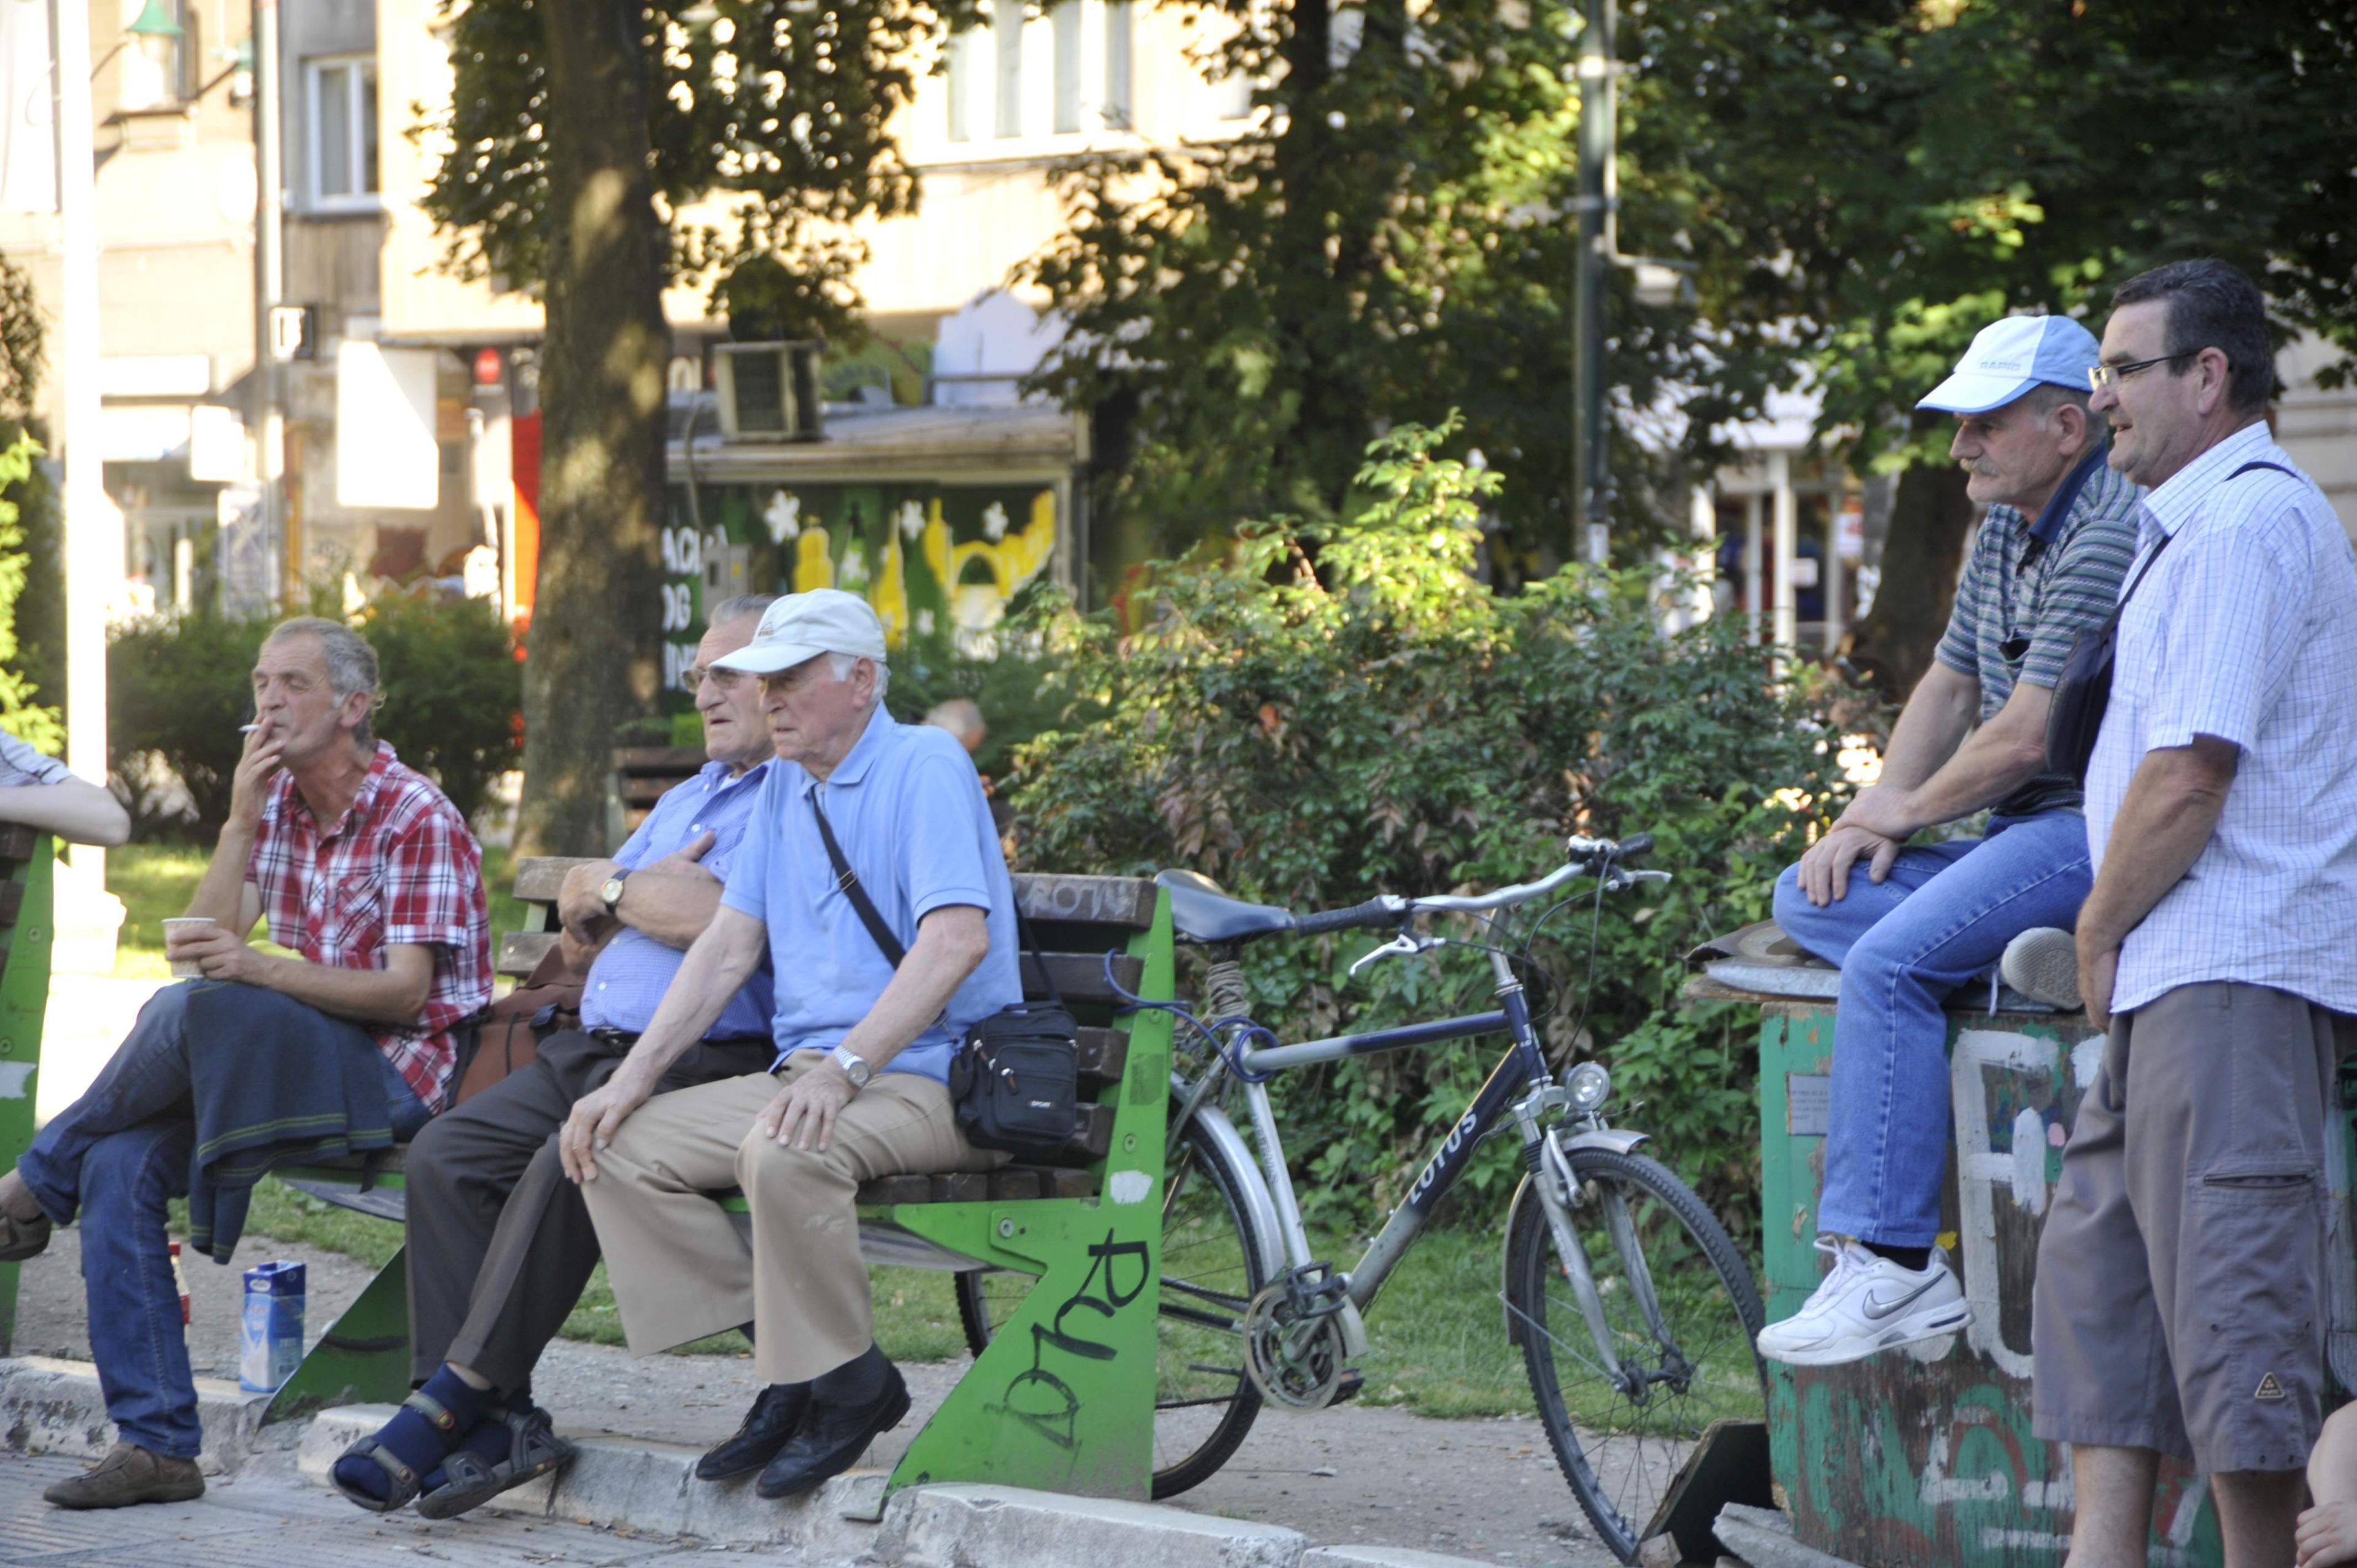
[1039, 1397]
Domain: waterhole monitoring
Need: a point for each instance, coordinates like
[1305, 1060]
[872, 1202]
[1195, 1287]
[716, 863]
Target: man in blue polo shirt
[500, 1245]
[858, 1089]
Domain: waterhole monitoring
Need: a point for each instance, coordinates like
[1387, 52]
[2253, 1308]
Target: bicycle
[1634, 1311]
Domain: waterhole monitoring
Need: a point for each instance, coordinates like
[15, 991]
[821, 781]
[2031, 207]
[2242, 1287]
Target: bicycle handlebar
[1596, 858]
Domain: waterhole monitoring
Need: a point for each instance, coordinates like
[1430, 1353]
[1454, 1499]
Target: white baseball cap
[2009, 357]
[801, 627]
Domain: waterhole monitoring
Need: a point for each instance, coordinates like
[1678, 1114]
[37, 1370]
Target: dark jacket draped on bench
[261, 1102]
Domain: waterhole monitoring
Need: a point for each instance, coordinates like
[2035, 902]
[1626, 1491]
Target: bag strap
[848, 880]
[2121, 608]
[865, 907]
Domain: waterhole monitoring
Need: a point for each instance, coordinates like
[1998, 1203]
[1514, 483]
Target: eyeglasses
[695, 676]
[2107, 378]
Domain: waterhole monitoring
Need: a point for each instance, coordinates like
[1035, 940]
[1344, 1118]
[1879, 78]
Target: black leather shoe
[833, 1438]
[776, 1416]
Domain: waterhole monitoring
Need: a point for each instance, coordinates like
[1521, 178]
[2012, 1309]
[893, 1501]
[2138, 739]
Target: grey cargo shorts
[2182, 1299]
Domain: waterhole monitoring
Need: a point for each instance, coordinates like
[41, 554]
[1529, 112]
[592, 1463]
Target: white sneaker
[1868, 1304]
[2042, 964]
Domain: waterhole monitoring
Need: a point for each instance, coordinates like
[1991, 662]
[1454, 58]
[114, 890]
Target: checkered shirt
[20, 764]
[2040, 583]
[2244, 629]
[399, 866]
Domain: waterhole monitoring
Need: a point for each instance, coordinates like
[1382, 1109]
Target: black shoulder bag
[1015, 1082]
[2084, 690]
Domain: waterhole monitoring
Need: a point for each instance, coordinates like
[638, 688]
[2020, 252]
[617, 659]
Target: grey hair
[842, 664]
[738, 608]
[351, 662]
[2044, 398]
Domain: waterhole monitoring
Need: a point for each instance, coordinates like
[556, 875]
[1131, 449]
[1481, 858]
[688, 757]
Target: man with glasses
[500, 1245]
[2181, 1304]
[1910, 926]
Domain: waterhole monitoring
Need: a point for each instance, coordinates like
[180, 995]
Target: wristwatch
[854, 1066]
[610, 891]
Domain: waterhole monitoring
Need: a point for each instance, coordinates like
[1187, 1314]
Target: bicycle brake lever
[1621, 879]
[1405, 943]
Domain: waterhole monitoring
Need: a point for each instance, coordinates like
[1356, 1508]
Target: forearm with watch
[951, 943]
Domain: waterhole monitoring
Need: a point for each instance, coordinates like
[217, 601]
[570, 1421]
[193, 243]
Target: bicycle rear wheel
[1620, 1444]
[1213, 1263]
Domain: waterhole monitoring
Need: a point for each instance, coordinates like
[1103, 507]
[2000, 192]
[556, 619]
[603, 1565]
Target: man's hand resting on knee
[1825, 868]
[597, 1116]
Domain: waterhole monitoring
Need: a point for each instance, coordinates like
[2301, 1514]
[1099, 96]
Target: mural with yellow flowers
[939, 563]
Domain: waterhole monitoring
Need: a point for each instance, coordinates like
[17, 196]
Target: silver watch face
[854, 1066]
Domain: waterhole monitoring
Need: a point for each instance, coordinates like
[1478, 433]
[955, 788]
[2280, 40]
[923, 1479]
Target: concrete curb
[55, 1407]
[957, 1526]
[649, 1487]
[49, 1406]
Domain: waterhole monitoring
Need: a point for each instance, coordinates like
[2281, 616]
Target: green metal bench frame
[28, 930]
[1063, 1397]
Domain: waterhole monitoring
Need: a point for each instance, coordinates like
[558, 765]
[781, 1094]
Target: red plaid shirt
[399, 866]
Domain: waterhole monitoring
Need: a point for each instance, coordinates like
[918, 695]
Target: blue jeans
[1941, 917]
[116, 1155]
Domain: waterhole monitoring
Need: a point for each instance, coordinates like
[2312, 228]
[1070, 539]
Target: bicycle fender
[1614, 1140]
[1260, 1208]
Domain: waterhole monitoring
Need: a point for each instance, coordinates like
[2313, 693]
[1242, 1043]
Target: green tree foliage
[19, 715]
[1382, 723]
[1391, 235]
[780, 109]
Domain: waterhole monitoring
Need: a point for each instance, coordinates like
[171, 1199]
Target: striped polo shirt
[2027, 591]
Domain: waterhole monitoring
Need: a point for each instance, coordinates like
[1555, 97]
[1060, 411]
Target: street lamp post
[269, 288]
[1591, 466]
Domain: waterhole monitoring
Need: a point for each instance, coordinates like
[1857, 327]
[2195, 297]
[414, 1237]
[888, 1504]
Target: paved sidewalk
[268, 1518]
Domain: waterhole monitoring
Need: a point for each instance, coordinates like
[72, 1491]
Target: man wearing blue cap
[2046, 562]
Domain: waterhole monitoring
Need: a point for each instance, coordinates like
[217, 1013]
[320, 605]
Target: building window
[969, 87]
[1117, 108]
[1007, 34]
[341, 101]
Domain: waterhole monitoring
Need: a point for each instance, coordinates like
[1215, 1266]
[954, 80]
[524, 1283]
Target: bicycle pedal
[1347, 1388]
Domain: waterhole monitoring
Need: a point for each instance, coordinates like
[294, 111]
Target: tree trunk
[1931, 524]
[595, 654]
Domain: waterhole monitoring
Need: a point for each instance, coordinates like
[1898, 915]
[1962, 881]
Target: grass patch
[155, 881]
[1437, 1336]
[916, 1309]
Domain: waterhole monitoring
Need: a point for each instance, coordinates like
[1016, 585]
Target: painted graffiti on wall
[940, 564]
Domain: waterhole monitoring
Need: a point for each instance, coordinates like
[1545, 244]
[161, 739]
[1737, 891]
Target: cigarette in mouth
[247, 729]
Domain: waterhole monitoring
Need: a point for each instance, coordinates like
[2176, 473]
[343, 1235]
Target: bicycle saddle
[1200, 912]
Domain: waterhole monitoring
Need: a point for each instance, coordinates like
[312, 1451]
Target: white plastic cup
[184, 968]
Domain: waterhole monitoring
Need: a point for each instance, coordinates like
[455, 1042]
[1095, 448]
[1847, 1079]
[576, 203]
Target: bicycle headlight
[1588, 1086]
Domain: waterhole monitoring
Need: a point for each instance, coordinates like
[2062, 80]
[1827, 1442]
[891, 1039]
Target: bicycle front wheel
[1620, 1434]
[1213, 1263]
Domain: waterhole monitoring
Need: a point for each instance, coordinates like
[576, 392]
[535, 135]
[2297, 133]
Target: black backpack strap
[1031, 946]
[848, 880]
[2247, 468]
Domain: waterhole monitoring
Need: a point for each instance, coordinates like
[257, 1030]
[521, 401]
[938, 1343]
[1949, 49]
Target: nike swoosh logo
[1876, 1310]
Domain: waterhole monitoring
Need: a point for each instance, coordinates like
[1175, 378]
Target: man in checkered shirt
[2181, 1301]
[1909, 926]
[370, 876]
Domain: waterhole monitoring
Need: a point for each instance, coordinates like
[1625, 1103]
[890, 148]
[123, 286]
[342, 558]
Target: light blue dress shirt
[907, 808]
[633, 971]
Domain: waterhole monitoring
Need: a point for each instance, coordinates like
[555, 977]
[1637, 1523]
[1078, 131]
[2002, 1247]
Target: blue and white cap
[2009, 357]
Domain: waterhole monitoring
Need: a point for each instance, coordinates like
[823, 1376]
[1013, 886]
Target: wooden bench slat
[539, 879]
[16, 841]
[1103, 1053]
[1081, 976]
[1014, 1184]
[1123, 901]
[675, 761]
[520, 952]
[12, 900]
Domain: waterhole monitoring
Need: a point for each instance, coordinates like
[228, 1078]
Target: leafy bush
[19, 715]
[1317, 718]
[178, 688]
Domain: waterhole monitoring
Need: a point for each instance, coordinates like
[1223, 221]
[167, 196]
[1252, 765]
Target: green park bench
[27, 868]
[1063, 1397]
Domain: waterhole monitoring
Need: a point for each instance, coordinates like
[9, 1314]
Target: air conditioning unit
[768, 391]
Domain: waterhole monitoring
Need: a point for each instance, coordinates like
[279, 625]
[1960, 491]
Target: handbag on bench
[1015, 1080]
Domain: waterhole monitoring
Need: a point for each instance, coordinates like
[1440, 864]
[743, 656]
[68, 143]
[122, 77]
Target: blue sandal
[401, 1482]
[534, 1450]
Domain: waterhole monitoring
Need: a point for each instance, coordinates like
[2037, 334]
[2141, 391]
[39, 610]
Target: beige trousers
[680, 1267]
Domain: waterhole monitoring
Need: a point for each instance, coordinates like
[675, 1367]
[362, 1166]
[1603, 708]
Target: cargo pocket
[2249, 1331]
